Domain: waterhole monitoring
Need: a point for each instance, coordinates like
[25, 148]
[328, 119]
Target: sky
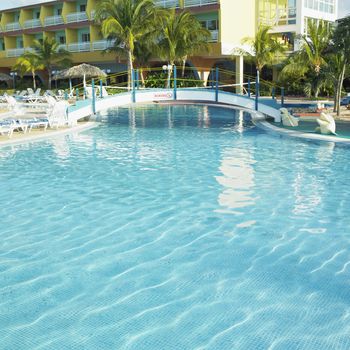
[344, 5]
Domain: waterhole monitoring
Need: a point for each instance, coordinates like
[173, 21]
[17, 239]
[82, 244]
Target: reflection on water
[61, 149]
[308, 201]
[237, 179]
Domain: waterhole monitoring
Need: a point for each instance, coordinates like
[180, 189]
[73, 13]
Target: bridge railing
[179, 79]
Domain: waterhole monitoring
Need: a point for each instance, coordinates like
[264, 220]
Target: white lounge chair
[6, 129]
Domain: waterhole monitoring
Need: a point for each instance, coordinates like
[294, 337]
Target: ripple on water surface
[174, 227]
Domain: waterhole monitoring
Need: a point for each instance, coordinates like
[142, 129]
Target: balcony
[167, 3]
[77, 17]
[193, 3]
[17, 52]
[279, 17]
[53, 21]
[79, 47]
[32, 23]
[214, 35]
[10, 27]
[102, 45]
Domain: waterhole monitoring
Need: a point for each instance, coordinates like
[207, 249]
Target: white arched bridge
[85, 108]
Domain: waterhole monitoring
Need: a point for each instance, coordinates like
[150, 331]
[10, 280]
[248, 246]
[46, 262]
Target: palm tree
[49, 55]
[126, 22]
[265, 50]
[310, 60]
[196, 40]
[182, 35]
[28, 63]
[341, 40]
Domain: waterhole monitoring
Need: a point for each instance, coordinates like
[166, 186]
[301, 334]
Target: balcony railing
[17, 52]
[53, 21]
[168, 3]
[192, 3]
[12, 26]
[281, 17]
[79, 47]
[77, 17]
[32, 23]
[62, 46]
[102, 45]
[214, 35]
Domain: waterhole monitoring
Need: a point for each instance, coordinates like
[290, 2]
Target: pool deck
[39, 134]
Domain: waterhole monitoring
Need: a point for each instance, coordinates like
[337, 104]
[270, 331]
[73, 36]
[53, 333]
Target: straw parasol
[5, 77]
[81, 71]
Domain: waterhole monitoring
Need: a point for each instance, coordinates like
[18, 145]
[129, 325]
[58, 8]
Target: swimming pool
[175, 227]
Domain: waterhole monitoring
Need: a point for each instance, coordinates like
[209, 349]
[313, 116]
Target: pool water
[175, 228]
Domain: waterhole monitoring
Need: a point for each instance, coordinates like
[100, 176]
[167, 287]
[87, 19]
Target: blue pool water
[175, 228]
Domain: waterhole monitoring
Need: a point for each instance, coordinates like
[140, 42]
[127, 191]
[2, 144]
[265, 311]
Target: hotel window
[211, 24]
[62, 39]
[82, 8]
[59, 12]
[327, 6]
[85, 37]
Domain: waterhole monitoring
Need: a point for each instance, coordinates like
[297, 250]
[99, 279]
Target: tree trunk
[50, 78]
[340, 86]
[142, 78]
[183, 67]
[130, 69]
[34, 82]
[170, 71]
[335, 96]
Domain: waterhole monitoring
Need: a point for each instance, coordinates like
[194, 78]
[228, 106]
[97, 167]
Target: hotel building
[71, 23]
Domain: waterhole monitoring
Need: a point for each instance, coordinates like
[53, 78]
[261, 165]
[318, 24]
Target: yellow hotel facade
[71, 23]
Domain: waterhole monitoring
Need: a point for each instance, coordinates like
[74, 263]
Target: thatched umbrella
[81, 71]
[5, 77]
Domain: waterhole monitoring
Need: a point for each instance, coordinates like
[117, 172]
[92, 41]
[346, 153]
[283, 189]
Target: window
[37, 15]
[59, 12]
[62, 39]
[85, 37]
[210, 24]
[327, 6]
[82, 8]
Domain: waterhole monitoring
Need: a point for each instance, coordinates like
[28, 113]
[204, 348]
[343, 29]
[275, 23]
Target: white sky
[344, 5]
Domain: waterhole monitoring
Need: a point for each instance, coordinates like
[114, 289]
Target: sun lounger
[6, 129]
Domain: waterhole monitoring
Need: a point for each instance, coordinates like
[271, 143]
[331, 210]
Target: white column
[239, 74]
[204, 75]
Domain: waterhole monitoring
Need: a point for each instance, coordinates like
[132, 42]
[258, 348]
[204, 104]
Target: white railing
[280, 17]
[53, 21]
[12, 26]
[32, 23]
[102, 45]
[17, 52]
[190, 3]
[79, 47]
[62, 46]
[214, 35]
[167, 3]
[77, 17]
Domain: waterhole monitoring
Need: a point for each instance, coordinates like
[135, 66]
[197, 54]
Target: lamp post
[54, 73]
[167, 68]
[13, 75]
